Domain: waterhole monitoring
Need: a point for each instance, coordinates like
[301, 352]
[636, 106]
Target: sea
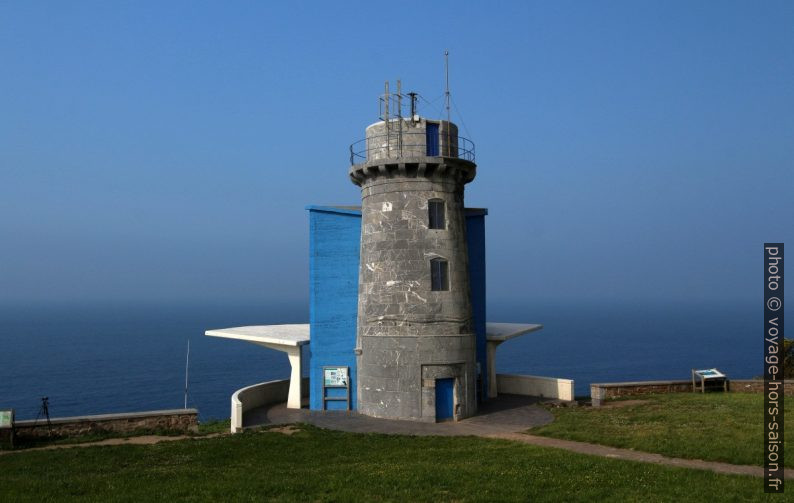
[124, 357]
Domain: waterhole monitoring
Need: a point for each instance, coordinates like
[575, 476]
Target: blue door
[431, 138]
[445, 400]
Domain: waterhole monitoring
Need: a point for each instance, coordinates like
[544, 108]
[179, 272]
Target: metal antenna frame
[385, 114]
[413, 96]
[386, 118]
[399, 117]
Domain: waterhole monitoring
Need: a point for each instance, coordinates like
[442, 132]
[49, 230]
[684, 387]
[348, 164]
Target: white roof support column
[286, 338]
[296, 362]
[495, 334]
[491, 359]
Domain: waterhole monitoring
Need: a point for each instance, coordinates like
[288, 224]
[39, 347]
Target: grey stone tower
[415, 328]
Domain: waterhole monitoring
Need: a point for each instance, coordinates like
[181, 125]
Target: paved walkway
[632, 455]
[506, 414]
[504, 418]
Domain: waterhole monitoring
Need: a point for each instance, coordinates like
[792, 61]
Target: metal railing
[396, 145]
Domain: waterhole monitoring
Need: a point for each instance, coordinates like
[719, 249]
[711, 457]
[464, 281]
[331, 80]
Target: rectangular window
[435, 214]
[439, 275]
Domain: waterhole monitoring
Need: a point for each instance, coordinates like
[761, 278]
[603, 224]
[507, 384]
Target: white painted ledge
[546, 387]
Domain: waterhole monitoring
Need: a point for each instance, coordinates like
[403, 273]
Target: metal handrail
[394, 146]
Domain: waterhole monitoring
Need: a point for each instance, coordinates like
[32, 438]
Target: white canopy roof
[298, 334]
[282, 335]
[500, 332]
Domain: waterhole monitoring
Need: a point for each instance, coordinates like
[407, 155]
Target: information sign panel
[335, 376]
[6, 418]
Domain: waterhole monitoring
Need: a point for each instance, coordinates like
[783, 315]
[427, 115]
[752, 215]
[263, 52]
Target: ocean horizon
[94, 358]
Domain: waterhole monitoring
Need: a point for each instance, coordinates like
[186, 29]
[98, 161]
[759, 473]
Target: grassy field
[206, 428]
[712, 426]
[320, 465]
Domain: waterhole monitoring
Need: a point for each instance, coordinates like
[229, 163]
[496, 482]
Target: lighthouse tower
[415, 344]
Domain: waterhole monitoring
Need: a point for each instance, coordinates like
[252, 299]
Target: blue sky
[165, 151]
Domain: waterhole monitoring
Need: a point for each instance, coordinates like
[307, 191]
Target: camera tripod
[44, 412]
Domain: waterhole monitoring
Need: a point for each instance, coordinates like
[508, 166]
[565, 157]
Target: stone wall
[182, 420]
[408, 139]
[756, 386]
[599, 392]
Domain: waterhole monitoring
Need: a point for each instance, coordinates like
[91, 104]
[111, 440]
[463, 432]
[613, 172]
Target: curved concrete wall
[258, 395]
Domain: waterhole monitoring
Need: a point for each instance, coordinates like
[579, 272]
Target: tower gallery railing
[396, 145]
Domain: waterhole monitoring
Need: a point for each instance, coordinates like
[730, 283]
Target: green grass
[320, 465]
[713, 426]
[214, 426]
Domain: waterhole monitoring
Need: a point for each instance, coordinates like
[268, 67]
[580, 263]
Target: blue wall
[475, 240]
[335, 237]
[334, 248]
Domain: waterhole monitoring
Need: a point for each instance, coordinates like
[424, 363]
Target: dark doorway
[445, 400]
[431, 137]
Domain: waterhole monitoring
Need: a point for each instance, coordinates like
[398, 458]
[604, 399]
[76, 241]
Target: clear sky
[165, 151]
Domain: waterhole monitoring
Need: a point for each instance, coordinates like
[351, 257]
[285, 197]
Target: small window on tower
[435, 211]
[439, 275]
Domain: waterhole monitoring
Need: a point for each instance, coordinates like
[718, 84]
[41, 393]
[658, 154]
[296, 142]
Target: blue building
[335, 233]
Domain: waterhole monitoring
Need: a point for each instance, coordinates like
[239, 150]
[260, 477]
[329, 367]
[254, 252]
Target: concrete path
[507, 414]
[632, 455]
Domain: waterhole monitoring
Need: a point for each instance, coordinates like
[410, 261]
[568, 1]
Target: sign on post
[6, 418]
[335, 376]
[333, 379]
[712, 376]
[7, 429]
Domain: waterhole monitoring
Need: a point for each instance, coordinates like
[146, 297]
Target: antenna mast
[187, 368]
[448, 146]
[446, 74]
